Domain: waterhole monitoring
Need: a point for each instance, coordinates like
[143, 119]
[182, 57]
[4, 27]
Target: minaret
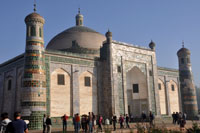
[107, 76]
[187, 87]
[79, 18]
[34, 82]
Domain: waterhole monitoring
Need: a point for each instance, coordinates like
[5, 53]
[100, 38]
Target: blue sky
[166, 22]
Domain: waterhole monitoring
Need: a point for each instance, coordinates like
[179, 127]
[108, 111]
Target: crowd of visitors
[16, 126]
[85, 122]
[179, 118]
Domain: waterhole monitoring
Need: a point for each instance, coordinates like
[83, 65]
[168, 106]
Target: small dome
[108, 34]
[34, 16]
[84, 36]
[152, 45]
[183, 51]
[79, 16]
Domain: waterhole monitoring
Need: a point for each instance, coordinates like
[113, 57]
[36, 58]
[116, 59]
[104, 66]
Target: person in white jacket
[4, 122]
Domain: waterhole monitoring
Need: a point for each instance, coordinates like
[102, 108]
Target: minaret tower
[79, 18]
[187, 87]
[34, 82]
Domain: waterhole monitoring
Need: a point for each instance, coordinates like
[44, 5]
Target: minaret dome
[79, 19]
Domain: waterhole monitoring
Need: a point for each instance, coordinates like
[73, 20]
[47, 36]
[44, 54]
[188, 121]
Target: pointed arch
[173, 96]
[60, 94]
[87, 93]
[137, 100]
[162, 97]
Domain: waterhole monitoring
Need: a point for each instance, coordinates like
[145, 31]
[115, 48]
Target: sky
[166, 22]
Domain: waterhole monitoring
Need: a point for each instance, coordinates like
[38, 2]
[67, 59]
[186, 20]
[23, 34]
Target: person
[87, 123]
[151, 118]
[17, 126]
[132, 118]
[90, 122]
[48, 122]
[74, 122]
[44, 123]
[64, 120]
[100, 122]
[179, 117]
[127, 121]
[93, 121]
[107, 122]
[173, 117]
[184, 116]
[121, 121]
[5, 121]
[182, 124]
[77, 123]
[114, 120]
[84, 123]
[144, 117]
[176, 117]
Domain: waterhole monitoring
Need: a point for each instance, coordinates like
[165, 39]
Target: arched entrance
[137, 93]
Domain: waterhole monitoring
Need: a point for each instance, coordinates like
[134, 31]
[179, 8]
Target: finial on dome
[79, 10]
[34, 6]
[79, 18]
[108, 33]
[183, 44]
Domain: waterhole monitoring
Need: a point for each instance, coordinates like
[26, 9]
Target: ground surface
[133, 127]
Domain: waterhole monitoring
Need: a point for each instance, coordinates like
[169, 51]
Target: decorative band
[33, 54]
[31, 66]
[34, 83]
[33, 103]
[40, 71]
[35, 41]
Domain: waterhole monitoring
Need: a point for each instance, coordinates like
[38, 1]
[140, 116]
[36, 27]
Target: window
[9, 84]
[188, 60]
[87, 81]
[80, 22]
[135, 88]
[159, 86]
[40, 32]
[182, 60]
[27, 31]
[61, 79]
[118, 69]
[172, 86]
[150, 73]
[33, 32]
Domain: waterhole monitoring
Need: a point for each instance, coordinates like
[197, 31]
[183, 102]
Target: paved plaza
[133, 127]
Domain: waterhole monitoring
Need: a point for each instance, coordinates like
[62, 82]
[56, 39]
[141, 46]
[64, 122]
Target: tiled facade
[29, 83]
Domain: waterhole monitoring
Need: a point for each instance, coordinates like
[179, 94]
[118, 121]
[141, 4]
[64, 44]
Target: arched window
[182, 60]
[33, 31]
[9, 84]
[87, 81]
[40, 30]
[27, 31]
[172, 86]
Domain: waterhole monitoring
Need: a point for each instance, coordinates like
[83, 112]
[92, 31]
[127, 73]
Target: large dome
[84, 36]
